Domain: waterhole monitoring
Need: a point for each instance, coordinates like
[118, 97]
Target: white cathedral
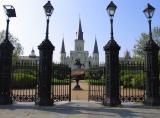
[79, 53]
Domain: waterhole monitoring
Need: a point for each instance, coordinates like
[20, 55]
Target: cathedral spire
[63, 47]
[95, 47]
[80, 33]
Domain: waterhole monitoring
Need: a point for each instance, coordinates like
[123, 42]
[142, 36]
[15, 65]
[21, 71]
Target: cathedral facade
[79, 53]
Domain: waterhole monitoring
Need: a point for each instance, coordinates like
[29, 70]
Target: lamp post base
[5, 100]
[45, 103]
[112, 102]
[152, 102]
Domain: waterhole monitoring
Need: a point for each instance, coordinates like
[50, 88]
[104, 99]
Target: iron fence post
[6, 51]
[112, 74]
[45, 73]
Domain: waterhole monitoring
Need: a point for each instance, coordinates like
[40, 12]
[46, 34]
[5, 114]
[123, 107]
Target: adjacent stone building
[31, 57]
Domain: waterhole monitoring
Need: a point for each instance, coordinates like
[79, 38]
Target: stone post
[111, 96]
[6, 51]
[45, 73]
[152, 97]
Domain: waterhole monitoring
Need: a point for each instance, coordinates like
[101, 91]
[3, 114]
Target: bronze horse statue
[78, 63]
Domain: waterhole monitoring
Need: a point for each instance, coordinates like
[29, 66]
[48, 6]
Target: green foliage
[60, 82]
[18, 47]
[96, 82]
[140, 43]
[24, 74]
[133, 79]
[61, 74]
[87, 75]
[95, 76]
[23, 78]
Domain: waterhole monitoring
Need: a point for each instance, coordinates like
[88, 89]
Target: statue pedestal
[78, 75]
[77, 86]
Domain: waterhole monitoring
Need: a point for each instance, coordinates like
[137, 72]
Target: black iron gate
[61, 83]
[96, 82]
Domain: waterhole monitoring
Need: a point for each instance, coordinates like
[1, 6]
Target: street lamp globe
[111, 8]
[149, 11]
[48, 9]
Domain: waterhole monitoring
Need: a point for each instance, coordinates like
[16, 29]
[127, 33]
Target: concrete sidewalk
[78, 109]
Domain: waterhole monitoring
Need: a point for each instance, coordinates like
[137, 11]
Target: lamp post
[48, 11]
[111, 95]
[151, 50]
[45, 64]
[6, 51]
[10, 12]
[149, 12]
[111, 9]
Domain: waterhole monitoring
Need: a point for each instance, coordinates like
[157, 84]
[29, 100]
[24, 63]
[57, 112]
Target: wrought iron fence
[61, 83]
[132, 81]
[96, 82]
[24, 81]
[25, 75]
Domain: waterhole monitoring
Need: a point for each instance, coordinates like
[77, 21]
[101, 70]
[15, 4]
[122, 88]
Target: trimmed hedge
[96, 82]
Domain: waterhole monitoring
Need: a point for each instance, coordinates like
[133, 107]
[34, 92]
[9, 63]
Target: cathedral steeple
[95, 47]
[63, 47]
[80, 33]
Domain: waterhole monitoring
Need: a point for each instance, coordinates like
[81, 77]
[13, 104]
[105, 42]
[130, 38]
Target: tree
[18, 47]
[144, 37]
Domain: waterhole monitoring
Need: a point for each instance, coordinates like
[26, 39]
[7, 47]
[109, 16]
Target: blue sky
[30, 24]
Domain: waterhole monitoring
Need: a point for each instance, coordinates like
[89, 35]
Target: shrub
[96, 82]
[134, 80]
[60, 82]
[23, 80]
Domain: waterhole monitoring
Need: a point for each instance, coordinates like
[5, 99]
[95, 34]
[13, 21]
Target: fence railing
[24, 81]
[61, 83]
[25, 78]
[132, 81]
[96, 80]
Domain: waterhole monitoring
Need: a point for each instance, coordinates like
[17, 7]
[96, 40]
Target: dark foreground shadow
[88, 108]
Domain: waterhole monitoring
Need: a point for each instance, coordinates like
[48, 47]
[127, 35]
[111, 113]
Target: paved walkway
[78, 109]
